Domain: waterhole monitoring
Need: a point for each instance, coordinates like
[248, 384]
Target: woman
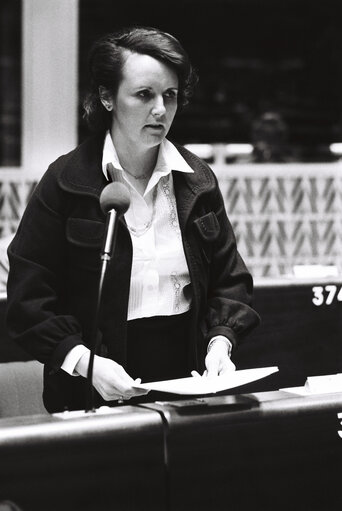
[177, 294]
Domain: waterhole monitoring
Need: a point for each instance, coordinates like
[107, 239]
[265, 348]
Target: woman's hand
[217, 361]
[109, 378]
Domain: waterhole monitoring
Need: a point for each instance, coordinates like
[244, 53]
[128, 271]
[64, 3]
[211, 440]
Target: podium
[262, 451]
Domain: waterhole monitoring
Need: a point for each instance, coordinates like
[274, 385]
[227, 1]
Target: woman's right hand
[109, 378]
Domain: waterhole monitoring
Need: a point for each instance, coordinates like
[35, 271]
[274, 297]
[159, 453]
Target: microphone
[114, 202]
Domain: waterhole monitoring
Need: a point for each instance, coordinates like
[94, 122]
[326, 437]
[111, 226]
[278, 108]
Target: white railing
[283, 214]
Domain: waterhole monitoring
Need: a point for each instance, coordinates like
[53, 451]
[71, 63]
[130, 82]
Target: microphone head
[115, 196]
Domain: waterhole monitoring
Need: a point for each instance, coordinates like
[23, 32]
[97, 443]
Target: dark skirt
[157, 349]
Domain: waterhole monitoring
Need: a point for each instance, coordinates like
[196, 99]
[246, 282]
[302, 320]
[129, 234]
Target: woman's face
[145, 103]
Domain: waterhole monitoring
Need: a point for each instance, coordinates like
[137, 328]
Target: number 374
[326, 295]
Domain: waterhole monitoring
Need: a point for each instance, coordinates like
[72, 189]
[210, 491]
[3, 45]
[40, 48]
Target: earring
[108, 106]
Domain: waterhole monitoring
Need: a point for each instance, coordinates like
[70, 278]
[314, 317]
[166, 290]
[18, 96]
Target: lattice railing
[283, 214]
[15, 190]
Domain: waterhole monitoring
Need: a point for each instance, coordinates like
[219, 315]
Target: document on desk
[324, 384]
[203, 385]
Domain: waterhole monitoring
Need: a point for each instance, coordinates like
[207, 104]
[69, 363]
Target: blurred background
[266, 115]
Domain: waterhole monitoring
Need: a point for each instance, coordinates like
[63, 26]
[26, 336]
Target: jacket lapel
[189, 187]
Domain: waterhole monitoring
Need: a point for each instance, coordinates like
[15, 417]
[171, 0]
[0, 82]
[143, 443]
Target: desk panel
[301, 338]
[272, 452]
[91, 463]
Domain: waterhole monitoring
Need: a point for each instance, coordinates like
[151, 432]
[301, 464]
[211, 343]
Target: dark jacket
[55, 262]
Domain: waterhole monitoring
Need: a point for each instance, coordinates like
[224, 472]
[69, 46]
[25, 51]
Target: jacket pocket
[208, 229]
[85, 239]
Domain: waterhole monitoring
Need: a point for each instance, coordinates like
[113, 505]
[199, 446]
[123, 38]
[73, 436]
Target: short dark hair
[107, 58]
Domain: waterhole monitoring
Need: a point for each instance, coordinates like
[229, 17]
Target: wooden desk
[270, 452]
[275, 453]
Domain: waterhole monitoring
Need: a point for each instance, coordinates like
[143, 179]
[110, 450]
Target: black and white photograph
[171, 255]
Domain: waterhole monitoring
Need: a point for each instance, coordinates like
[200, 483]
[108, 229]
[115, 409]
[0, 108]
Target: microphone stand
[114, 201]
[105, 258]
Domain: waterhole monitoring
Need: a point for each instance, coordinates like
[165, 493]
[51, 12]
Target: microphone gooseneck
[114, 202]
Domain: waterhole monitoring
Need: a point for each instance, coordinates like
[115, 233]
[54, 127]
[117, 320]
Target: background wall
[270, 81]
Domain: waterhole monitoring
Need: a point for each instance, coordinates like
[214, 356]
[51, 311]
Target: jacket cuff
[72, 358]
[225, 331]
[62, 350]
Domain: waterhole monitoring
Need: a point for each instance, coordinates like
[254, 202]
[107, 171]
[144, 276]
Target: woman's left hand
[217, 361]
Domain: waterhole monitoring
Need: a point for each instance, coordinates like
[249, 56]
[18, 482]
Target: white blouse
[160, 282]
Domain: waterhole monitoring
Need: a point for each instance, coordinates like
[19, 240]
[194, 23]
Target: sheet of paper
[204, 385]
[326, 384]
